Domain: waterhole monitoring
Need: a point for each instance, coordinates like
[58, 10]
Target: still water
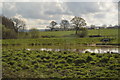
[81, 49]
[96, 50]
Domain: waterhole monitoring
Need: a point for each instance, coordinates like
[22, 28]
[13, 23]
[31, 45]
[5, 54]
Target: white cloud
[59, 0]
[40, 14]
[1, 8]
[33, 23]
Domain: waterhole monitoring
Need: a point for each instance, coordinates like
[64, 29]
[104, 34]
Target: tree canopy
[10, 27]
[52, 25]
[18, 24]
[64, 24]
[78, 22]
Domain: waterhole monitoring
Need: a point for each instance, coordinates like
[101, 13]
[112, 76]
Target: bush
[8, 33]
[92, 62]
[89, 58]
[69, 60]
[93, 54]
[37, 64]
[83, 32]
[104, 60]
[34, 33]
[79, 61]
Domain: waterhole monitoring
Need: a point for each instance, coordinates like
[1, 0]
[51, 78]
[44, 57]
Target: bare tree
[7, 22]
[78, 22]
[18, 24]
[52, 25]
[64, 24]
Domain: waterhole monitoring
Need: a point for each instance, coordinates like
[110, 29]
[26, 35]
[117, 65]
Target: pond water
[96, 50]
[81, 49]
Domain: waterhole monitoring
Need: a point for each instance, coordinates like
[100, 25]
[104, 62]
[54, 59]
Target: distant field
[56, 41]
[67, 37]
[103, 32]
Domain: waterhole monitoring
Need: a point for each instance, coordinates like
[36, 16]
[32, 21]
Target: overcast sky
[40, 14]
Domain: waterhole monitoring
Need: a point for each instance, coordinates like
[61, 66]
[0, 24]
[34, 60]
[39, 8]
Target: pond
[81, 49]
[96, 50]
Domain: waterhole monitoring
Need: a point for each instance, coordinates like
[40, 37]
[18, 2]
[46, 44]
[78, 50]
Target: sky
[39, 14]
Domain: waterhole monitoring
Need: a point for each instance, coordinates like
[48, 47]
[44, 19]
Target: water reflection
[98, 50]
[113, 50]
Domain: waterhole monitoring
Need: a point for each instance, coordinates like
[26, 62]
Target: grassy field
[47, 64]
[57, 41]
[103, 32]
[18, 62]
[67, 37]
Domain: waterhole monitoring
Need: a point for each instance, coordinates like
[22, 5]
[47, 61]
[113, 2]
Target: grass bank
[67, 38]
[48, 64]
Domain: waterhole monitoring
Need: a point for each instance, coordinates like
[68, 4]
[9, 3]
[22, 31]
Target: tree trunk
[77, 28]
[76, 32]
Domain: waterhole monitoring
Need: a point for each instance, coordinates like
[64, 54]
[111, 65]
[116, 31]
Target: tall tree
[52, 25]
[18, 24]
[78, 22]
[64, 24]
[7, 22]
[7, 27]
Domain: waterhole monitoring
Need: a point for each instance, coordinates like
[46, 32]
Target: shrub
[92, 62]
[62, 61]
[89, 58]
[83, 32]
[25, 67]
[99, 55]
[92, 53]
[87, 52]
[79, 61]
[69, 60]
[34, 33]
[104, 60]
[8, 33]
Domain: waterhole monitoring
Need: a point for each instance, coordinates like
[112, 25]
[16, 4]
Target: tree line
[11, 27]
[77, 22]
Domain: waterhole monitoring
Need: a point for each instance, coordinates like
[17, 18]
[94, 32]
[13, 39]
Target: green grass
[17, 62]
[59, 34]
[56, 33]
[67, 38]
[103, 32]
[56, 41]
[43, 64]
